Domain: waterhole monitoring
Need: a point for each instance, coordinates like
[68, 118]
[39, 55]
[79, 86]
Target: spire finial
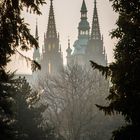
[69, 50]
[95, 2]
[83, 8]
[68, 42]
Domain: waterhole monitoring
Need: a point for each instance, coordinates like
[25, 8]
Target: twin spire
[95, 32]
[51, 29]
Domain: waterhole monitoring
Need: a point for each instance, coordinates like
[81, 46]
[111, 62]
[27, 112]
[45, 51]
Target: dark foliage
[7, 92]
[14, 32]
[28, 117]
[124, 72]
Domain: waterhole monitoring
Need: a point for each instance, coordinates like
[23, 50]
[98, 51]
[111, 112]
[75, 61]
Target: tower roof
[95, 32]
[51, 29]
[84, 8]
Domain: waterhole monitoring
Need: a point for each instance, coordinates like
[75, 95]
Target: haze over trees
[124, 95]
[71, 99]
[69, 111]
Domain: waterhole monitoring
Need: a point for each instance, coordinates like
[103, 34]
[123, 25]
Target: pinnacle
[84, 8]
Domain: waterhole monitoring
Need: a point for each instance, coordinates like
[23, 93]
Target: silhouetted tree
[124, 72]
[14, 32]
[7, 93]
[28, 116]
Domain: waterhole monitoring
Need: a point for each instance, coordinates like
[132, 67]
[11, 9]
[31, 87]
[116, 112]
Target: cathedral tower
[95, 50]
[36, 53]
[68, 50]
[52, 60]
[78, 56]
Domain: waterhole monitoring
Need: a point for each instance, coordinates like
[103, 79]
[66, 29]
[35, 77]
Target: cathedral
[88, 46]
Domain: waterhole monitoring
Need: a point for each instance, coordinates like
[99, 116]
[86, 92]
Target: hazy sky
[67, 17]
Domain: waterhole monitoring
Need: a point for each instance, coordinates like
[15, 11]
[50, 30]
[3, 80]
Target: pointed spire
[60, 48]
[83, 28]
[84, 8]
[104, 52]
[106, 59]
[36, 53]
[83, 11]
[95, 32]
[51, 29]
[58, 36]
[36, 31]
[68, 42]
[69, 50]
[95, 2]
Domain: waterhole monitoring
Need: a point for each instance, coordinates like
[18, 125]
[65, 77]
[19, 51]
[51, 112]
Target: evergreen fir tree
[7, 93]
[14, 32]
[28, 117]
[124, 72]
[29, 122]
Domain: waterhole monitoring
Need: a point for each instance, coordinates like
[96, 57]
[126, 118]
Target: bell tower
[83, 28]
[78, 55]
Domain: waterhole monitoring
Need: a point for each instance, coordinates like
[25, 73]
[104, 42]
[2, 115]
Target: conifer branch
[103, 69]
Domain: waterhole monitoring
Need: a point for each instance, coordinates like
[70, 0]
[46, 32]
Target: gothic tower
[52, 60]
[36, 57]
[36, 53]
[78, 56]
[95, 50]
[69, 50]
